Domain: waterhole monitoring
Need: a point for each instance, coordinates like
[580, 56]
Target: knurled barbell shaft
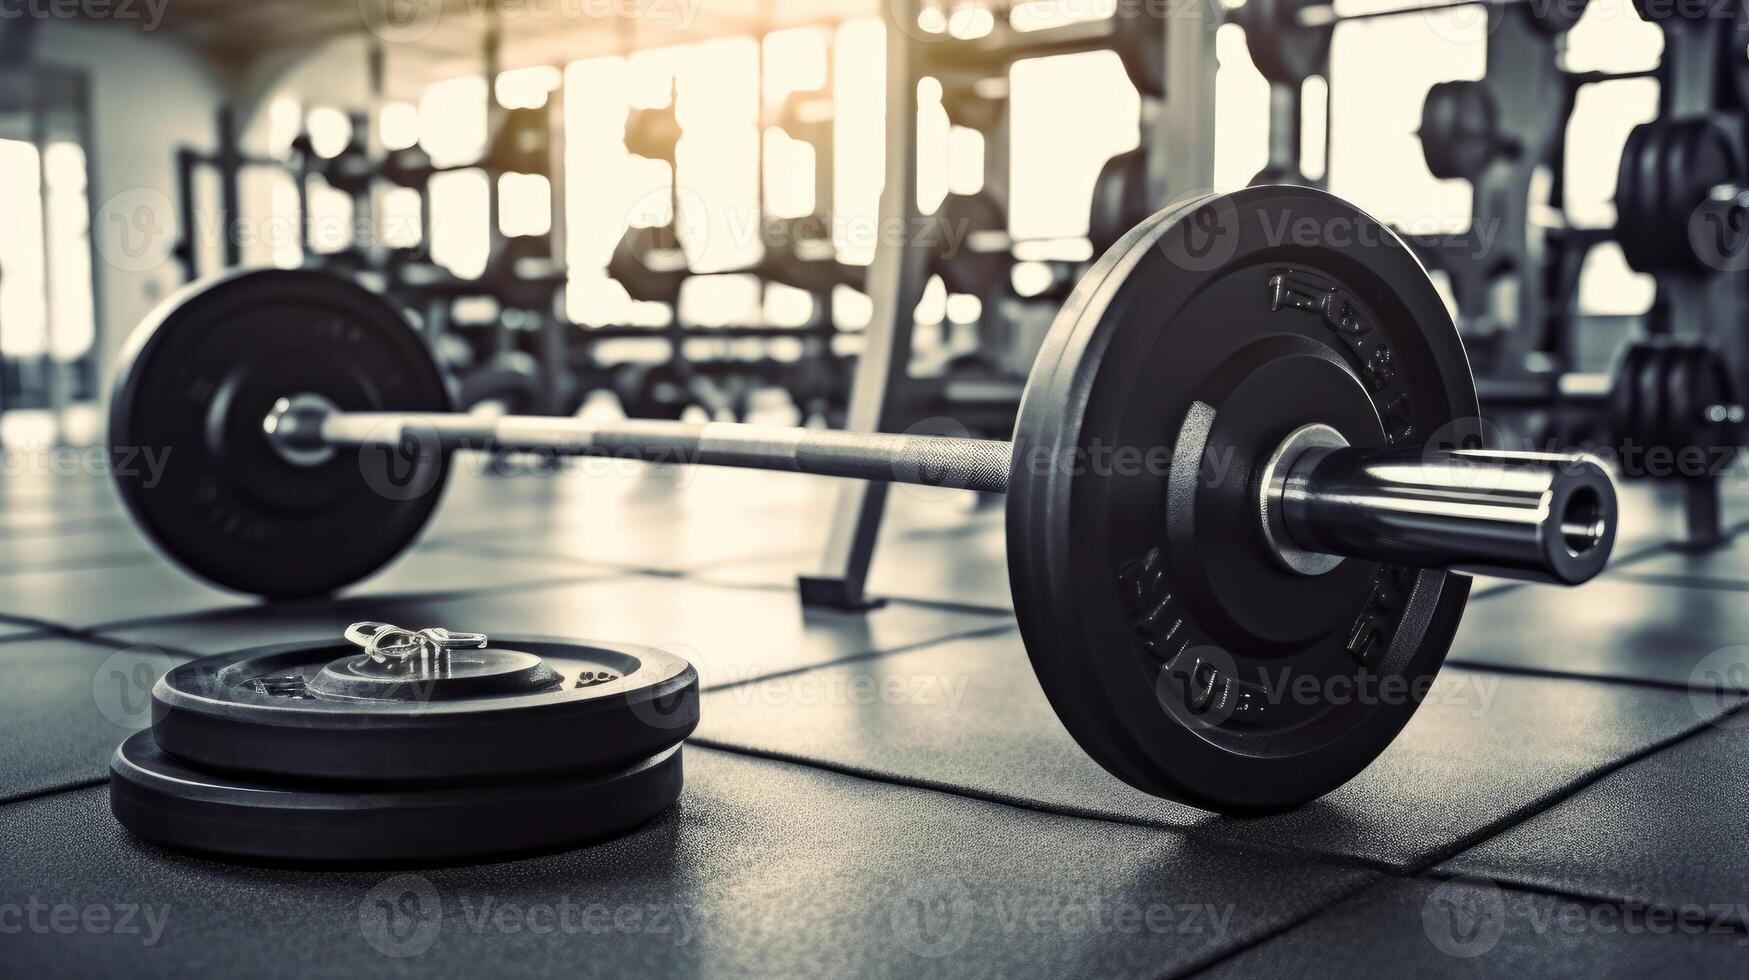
[1499, 513]
[943, 461]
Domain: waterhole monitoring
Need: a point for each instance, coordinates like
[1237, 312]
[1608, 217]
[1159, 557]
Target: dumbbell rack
[1524, 85]
[1179, 145]
[1699, 302]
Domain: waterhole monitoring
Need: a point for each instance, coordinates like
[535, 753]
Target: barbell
[1242, 480]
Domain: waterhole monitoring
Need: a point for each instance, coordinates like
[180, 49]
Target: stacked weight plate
[320, 751]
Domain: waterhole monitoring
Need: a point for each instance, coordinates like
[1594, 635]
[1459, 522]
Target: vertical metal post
[556, 374]
[376, 68]
[39, 138]
[495, 114]
[1181, 159]
[187, 247]
[230, 192]
[1285, 113]
[92, 361]
[895, 285]
[1531, 100]
[1708, 304]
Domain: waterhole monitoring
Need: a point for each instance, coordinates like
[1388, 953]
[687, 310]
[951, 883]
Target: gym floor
[888, 793]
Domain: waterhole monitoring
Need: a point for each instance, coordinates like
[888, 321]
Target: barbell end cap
[1579, 533]
[1540, 517]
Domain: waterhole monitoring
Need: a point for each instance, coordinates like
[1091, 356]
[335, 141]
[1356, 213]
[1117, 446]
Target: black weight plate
[1120, 198]
[522, 274]
[165, 801]
[1653, 169]
[1163, 633]
[511, 379]
[1667, 170]
[1282, 49]
[1713, 159]
[211, 713]
[965, 258]
[1737, 53]
[652, 391]
[1681, 416]
[650, 263]
[1699, 381]
[1637, 184]
[1717, 434]
[1677, 195]
[1625, 414]
[1459, 130]
[197, 379]
[1627, 186]
[1654, 399]
[1142, 48]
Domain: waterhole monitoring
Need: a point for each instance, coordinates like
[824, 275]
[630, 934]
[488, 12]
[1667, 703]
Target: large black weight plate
[212, 713]
[197, 379]
[1175, 649]
[165, 801]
